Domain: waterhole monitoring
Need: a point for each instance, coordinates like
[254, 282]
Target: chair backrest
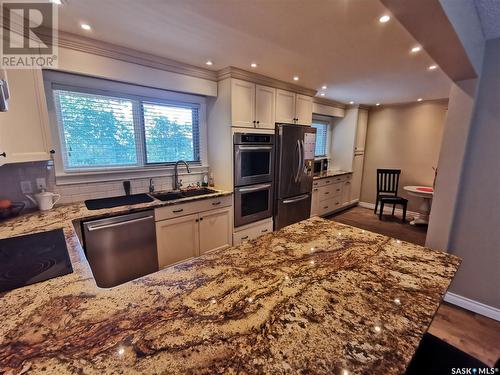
[388, 180]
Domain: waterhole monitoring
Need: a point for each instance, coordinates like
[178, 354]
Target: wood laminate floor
[472, 333]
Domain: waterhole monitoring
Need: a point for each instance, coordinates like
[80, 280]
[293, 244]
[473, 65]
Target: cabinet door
[346, 192]
[361, 130]
[357, 175]
[215, 230]
[315, 202]
[177, 239]
[265, 107]
[23, 131]
[303, 109]
[285, 106]
[242, 103]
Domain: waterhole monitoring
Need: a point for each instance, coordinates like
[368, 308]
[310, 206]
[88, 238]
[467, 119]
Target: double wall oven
[253, 177]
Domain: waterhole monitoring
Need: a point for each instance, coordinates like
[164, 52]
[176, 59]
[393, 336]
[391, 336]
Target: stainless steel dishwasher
[121, 248]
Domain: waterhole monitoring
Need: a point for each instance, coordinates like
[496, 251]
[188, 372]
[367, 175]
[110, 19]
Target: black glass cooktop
[32, 258]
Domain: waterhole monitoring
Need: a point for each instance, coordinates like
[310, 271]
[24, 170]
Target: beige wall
[475, 235]
[406, 137]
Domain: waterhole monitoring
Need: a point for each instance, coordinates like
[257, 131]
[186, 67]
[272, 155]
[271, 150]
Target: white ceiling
[339, 43]
[489, 13]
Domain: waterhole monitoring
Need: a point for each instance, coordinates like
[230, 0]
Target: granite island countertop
[317, 296]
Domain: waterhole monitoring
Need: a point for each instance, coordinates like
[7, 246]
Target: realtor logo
[28, 34]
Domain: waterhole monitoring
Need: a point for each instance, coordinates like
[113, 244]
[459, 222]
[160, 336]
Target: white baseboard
[388, 209]
[474, 306]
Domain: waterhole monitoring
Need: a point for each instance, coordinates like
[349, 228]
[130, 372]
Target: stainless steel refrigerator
[294, 175]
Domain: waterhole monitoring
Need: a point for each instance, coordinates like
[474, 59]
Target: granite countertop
[314, 297]
[331, 174]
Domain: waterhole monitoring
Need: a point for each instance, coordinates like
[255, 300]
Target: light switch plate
[41, 183]
[26, 187]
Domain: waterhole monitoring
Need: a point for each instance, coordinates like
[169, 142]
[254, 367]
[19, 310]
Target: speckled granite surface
[331, 174]
[315, 297]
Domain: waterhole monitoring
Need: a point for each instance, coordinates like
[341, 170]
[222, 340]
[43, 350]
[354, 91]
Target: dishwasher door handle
[105, 226]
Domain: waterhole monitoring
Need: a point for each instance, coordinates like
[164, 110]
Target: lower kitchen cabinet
[215, 230]
[330, 194]
[254, 230]
[177, 239]
[192, 235]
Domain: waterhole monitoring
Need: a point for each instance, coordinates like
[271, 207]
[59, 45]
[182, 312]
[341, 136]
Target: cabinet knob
[52, 152]
[258, 122]
[3, 154]
[201, 219]
[254, 121]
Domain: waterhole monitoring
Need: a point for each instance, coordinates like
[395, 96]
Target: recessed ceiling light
[378, 104]
[85, 26]
[385, 18]
[416, 49]
[351, 102]
[322, 94]
[209, 63]
[323, 87]
[253, 65]
[419, 99]
[432, 67]
[295, 78]
[57, 2]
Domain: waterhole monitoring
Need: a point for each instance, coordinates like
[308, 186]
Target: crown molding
[96, 47]
[233, 72]
[329, 102]
[442, 101]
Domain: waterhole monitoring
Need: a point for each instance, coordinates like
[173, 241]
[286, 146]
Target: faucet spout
[176, 183]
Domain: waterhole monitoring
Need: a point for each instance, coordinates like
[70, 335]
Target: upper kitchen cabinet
[252, 106]
[359, 146]
[24, 127]
[293, 108]
[303, 109]
[285, 106]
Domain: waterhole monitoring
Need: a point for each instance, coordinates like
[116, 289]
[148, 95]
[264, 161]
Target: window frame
[328, 136]
[138, 94]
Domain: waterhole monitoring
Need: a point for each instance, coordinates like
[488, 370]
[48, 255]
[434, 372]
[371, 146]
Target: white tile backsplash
[11, 175]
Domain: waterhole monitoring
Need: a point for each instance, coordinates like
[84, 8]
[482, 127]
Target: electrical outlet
[41, 183]
[26, 187]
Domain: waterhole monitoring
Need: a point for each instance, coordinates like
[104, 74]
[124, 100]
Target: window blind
[321, 138]
[99, 131]
[96, 130]
[170, 132]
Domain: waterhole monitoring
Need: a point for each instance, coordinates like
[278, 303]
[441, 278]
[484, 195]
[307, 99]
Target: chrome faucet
[151, 186]
[176, 183]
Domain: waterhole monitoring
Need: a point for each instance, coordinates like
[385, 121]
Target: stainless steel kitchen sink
[172, 195]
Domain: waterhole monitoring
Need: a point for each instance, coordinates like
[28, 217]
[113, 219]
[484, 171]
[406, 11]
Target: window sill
[83, 177]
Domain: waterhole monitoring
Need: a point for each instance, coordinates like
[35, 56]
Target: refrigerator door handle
[298, 199]
[296, 177]
[303, 157]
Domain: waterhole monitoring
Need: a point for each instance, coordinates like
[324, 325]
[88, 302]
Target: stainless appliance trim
[254, 148]
[299, 198]
[254, 188]
[241, 146]
[121, 248]
[239, 219]
[105, 226]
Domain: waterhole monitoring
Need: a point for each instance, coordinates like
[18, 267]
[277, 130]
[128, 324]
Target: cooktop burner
[32, 258]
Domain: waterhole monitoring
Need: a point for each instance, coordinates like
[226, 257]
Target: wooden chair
[387, 191]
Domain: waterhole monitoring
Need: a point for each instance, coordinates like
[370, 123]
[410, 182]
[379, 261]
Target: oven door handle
[254, 188]
[255, 148]
[298, 199]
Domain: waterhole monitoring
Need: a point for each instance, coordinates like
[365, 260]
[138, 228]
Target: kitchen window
[105, 126]
[322, 129]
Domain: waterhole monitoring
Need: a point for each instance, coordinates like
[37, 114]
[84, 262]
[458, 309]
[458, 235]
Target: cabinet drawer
[252, 232]
[329, 191]
[183, 209]
[329, 205]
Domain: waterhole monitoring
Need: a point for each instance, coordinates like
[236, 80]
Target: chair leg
[376, 205]
[393, 207]
[381, 210]
[404, 213]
